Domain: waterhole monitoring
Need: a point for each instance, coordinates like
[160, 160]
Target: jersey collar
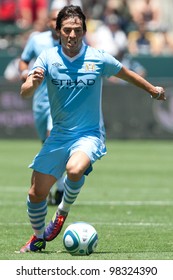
[71, 59]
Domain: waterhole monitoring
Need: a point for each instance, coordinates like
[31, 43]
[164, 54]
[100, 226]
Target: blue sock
[71, 191]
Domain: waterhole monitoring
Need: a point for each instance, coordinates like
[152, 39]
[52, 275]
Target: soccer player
[41, 107]
[73, 72]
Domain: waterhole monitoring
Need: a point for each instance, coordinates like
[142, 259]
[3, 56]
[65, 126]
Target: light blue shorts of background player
[43, 124]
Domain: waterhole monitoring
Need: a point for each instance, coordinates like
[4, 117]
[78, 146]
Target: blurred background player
[41, 109]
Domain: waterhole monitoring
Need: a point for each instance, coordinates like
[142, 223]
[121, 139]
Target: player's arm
[32, 83]
[23, 69]
[134, 78]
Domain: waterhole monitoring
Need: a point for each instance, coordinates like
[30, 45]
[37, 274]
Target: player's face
[71, 34]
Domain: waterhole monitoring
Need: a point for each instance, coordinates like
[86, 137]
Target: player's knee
[74, 172]
[36, 196]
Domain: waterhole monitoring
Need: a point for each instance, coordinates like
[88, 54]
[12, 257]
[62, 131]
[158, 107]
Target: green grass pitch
[128, 198]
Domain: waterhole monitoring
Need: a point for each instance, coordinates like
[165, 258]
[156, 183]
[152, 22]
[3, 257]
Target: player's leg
[83, 153]
[78, 163]
[37, 210]
[74, 180]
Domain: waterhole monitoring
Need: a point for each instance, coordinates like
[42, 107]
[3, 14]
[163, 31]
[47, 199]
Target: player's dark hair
[70, 11]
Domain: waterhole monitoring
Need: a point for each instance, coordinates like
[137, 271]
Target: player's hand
[159, 93]
[37, 76]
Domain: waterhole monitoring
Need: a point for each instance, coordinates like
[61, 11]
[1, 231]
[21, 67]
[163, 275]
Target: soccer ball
[80, 238]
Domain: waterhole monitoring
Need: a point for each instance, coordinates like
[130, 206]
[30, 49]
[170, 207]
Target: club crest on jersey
[90, 67]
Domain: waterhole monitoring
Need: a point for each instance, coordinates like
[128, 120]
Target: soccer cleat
[34, 244]
[54, 227]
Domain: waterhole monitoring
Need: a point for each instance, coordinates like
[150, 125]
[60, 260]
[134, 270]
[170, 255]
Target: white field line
[104, 203]
[126, 203]
[118, 224]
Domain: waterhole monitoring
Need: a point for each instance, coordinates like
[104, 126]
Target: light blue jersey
[41, 108]
[75, 95]
[75, 88]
